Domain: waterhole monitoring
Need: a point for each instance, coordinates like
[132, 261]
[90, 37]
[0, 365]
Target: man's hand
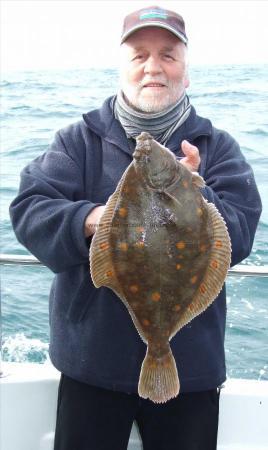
[192, 158]
[92, 220]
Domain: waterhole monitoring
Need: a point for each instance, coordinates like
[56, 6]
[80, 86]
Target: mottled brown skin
[164, 251]
[160, 242]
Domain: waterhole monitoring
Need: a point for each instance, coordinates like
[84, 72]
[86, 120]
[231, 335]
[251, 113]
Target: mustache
[169, 84]
[153, 80]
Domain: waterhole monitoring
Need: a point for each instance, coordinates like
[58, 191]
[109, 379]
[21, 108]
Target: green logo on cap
[153, 14]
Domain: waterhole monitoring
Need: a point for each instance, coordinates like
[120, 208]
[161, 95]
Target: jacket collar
[103, 123]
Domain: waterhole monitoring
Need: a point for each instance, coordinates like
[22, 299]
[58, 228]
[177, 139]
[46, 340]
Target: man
[62, 197]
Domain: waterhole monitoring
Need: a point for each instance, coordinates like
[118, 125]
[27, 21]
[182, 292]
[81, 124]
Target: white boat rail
[238, 270]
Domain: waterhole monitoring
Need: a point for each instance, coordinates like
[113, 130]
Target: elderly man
[62, 197]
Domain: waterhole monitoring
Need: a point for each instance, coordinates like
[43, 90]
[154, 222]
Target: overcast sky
[64, 34]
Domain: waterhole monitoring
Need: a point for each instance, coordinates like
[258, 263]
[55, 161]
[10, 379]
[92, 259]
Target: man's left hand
[192, 158]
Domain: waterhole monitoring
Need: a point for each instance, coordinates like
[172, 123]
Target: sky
[68, 34]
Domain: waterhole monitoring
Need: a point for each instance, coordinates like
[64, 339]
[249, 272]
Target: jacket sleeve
[231, 186]
[49, 212]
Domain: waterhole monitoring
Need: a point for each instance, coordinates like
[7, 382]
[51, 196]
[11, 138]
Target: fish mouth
[143, 146]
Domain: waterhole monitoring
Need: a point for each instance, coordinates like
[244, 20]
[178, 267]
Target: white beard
[151, 104]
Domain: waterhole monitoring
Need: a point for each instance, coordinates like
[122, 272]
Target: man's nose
[152, 65]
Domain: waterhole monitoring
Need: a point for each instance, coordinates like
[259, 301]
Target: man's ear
[186, 81]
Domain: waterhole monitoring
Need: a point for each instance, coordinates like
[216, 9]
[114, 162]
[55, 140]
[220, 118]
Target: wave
[28, 151]
[256, 131]
[227, 94]
[27, 84]
[20, 348]
[263, 225]
[25, 108]
[251, 150]
[14, 111]
[41, 114]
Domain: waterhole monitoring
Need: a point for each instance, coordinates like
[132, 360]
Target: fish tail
[159, 379]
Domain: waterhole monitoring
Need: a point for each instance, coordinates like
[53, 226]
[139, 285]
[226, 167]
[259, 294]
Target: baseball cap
[154, 16]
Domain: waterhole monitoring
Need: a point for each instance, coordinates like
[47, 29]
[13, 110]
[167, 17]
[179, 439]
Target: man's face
[153, 69]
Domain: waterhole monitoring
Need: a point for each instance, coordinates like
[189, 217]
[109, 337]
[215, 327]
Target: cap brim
[179, 35]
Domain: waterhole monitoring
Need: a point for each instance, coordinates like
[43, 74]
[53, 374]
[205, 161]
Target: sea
[35, 104]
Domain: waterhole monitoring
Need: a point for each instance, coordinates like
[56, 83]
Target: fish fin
[159, 379]
[216, 272]
[134, 319]
[101, 267]
[198, 180]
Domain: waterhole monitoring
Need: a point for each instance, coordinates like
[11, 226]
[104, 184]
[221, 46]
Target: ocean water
[35, 105]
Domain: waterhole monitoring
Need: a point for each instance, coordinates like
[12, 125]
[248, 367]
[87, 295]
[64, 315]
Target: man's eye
[137, 57]
[168, 56]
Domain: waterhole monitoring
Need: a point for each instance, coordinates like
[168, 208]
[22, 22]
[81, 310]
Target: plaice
[165, 251]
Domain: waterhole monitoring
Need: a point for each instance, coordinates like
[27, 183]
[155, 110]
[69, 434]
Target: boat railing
[240, 270]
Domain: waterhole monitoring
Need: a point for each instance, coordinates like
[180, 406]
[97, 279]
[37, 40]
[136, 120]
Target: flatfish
[165, 251]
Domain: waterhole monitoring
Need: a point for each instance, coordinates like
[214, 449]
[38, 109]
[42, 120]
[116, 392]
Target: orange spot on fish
[139, 244]
[203, 289]
[193, 279]
[185, 184]
[178, 266]
[134, 288]
[165, 333]
[122, 212]
[202, 248]
[109, 273]
[180, 245]
[199, 211]
[155, 296]
[123, 246]
[104, 246]
[145, 322]
[140, 229]
[218, 244]
[191, 307]
[214, 264]
[177, 308]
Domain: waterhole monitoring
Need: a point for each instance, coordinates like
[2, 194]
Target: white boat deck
[28, 396]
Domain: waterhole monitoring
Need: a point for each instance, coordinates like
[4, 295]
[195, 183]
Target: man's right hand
[93, 220]
[192, 159]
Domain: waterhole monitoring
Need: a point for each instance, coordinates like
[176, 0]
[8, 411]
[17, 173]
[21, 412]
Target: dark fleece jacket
[93, 338]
